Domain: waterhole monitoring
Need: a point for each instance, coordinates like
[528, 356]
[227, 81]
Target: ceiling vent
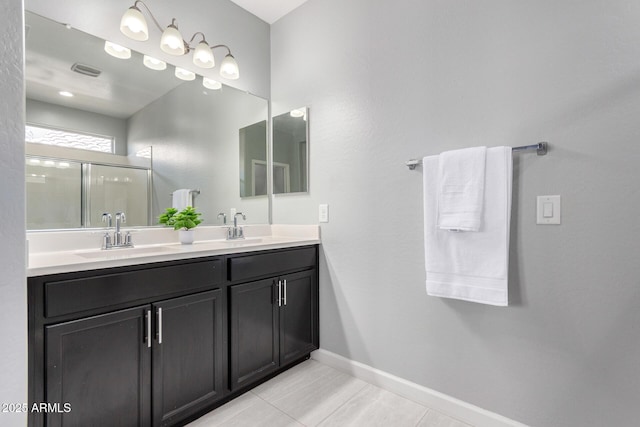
[86, 70]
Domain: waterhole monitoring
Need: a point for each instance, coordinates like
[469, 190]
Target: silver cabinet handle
[149, 328]
[279, 293]
[159, 325]
[285, 291]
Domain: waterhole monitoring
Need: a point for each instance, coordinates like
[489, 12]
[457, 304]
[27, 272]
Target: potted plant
[184, 221]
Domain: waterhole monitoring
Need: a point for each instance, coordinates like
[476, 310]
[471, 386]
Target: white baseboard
[440, 402]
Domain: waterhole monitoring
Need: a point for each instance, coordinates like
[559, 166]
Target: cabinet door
[101, 367]
[298, 316]
[187, 356]
[253, 331]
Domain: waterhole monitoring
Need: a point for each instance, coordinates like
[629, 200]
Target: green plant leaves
[186, 219]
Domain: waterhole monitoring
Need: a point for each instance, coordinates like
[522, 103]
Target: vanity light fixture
[153, 63]
[134, 26]
[183, 74]
[116, 50]
[299, 112]
[211, 84]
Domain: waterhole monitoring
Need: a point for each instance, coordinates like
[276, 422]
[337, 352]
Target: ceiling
[269, 10]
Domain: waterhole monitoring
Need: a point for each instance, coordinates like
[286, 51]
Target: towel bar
[540, 147]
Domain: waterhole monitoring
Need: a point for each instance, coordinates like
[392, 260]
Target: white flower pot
[186, 236]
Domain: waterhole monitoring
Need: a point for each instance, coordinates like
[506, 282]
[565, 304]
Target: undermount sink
[125, 252]
[245, 241]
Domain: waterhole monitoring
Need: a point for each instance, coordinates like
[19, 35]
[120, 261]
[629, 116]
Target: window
[62, 138]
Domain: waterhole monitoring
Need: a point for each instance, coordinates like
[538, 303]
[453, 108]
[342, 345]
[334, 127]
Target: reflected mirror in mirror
[291, 152]
[253, 160]
[193, 130]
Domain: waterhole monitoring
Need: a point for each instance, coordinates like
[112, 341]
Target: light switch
[548, 210]
[323, 213]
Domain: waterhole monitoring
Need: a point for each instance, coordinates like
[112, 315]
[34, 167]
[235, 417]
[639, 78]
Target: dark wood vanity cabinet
[160, 344]
[100, 366]
[188, 351]
[273, 321]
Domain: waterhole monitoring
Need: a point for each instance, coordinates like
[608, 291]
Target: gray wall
[57, 116]
[13, 303]
[195, 140]
[392, 81]
[222, 21]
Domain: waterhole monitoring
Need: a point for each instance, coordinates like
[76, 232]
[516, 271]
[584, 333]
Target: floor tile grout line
[345, 402]
[278, 409]
[423, 415]
[313, 381]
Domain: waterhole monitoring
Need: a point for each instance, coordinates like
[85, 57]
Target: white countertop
[80, 250]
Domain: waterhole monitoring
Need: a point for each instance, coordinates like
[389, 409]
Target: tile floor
[314, 394]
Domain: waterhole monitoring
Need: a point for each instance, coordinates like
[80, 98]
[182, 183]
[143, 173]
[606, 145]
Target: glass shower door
[117, 189]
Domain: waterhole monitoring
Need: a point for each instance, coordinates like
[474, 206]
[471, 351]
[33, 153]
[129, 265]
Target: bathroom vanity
[159, 343]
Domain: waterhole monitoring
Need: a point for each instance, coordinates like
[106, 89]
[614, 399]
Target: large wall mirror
[291, 152]
[165, 134]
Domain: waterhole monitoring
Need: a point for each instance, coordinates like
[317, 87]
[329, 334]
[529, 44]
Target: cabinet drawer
[271, 263]
[90, 293]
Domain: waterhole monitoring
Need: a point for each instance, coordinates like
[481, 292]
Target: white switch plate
[323, 213]
[548, 208]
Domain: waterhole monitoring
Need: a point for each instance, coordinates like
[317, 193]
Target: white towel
[461, 189]
[471, 266]
[182, 198]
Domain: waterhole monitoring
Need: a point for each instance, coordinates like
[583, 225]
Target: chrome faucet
[236, 232]
[119, 240]
[224, 217]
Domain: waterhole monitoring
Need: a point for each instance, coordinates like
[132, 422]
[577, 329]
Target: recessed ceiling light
[65, 93]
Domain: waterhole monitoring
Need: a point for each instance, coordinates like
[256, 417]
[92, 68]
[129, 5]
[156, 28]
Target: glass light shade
[171, 41]
[211, 84]
[229, 68]
[297, 113]
[153, 63]
[116, 50]
[183, 74]
[133, 25]
[202, 56]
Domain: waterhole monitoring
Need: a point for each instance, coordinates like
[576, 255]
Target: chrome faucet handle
[224, 217]
[106, 217]
[106, 241]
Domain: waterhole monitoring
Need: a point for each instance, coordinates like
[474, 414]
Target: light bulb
[183, 74]
[116, 50]
[153, 63]
[171, 41]
[229, 68]
[133, 24]
[202, 56]
[211, 84]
